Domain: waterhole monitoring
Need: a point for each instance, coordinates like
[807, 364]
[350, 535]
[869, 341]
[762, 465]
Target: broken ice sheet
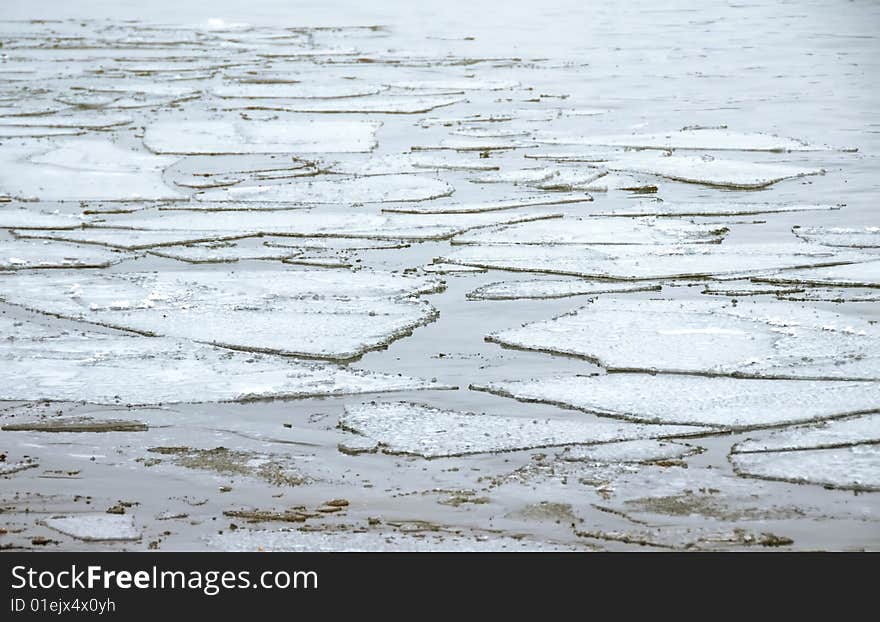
[452, 85]
[865, 274]
[414, 429]
[488, 206]
[714, 208]
[850, 468]
[862, 237]
[710, 139]
[830, 294]
[95, 527]
[25, 218]
[127, 239]
[747, 288]
[329, 314]
[341, 189]
[353, 541]
[864, 430]
[750, 339]
[34, 254]
[589, 231]
[82, 169]
[648, 261]
[41, 363]
[728, 403]
[324, 222]
[243, 137]
[300, 90]
[377, 104]
[640, 451]
[552, 288]
[521, 176]
[37, 132]
[448, 268]
[77, 121]
[228, 252]
[708, 170]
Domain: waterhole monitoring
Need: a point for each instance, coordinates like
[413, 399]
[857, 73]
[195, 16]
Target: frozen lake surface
[417, 276]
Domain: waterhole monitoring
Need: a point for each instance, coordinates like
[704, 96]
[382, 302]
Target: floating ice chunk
[471, 144]
[521, 176]
[568, 180]
[301, 90]
[536, 289]
[214, 252]
[648, 262]
[698, 139]
[127, 239]
[829, 294]
[613, 181]
[95, 527]
[488, 206]
[709, 171]
[730, 403]
[146, 88]
[77, 425]
[839, 433]
[25, 218]
[865, 274]
[748, 288]
[850, 468]
[584, 231]
[325, 222]
[754, 339]
[405, 428]
[471, 84]
[640, 451]
[39, 363]
[448, 268]
[37, 132]
[354, 541]
[335, 244]
[662, 208]
[11, 468]
[372, 189]
[381, 104]
[242, 137]
[863, 237]
[333, 314]
[82, 170]
[81, 121]
[31, 255]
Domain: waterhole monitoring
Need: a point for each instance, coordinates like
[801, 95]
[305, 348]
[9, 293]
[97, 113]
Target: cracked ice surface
[640, 451]
[555, 288]
[736, 403]
[40, 363]
[331, 314]
[865, 274]
[852, 468]
[85, 169]
[405, 428]
[33, 254]
[864, 237]
[841, 432]
[755, 339]
[699, 139]
[242, 137]
[638, 262]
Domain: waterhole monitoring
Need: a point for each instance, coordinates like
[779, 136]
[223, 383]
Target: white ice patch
[842, 432]
[552, 288]
[95, 527]
[25, 218]
[488, 206]
[331, 314]
[849, 468]
[730, 403]
[243, 137]
[379, 104]
[301, 90]
[33, 254]
[39, 363]
[862, 237]
[714, 208]
[82, 170]
[641, 451]
[698, 139]
[865, 274]
[127, 239]
[758, 339]
[405, 428]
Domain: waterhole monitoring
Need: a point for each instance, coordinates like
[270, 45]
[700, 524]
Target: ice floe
[301, 90]
[95, 527]
[754, 339]
[406, 428]
[26, 218]
[864, 430]
[223, 252]
[862, 237]
[335, 314]
[850, 468]
[243, 137]
[710, 139]
[127, 239]
[34, 254]
[719, 208]
[647, 261]
[82, 169]
[640, 451]
[730, 403]
[41, 363]
[553, 288]
[379, 104]
[866, 274]
[487, 206]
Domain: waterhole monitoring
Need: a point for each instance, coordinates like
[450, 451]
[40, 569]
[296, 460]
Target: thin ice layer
[730, 403]
[709, 208]
[242, 137]
[709, 171]
[328, 314]
[26, 218]
[843, 432]
[299, 90]
[586, 231]
[640, 451]
[849, 468]
[710, 139]
[84, 169]
[406, 428]
[372, 189]
[650, 262]
[750, 339]
[95, 527]
[127, 239]
[865, 274]
[853, 237]
[40, 363]
[488, 206]
[380, 104]
[552, 288]
[213, 252]
[34, 254]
